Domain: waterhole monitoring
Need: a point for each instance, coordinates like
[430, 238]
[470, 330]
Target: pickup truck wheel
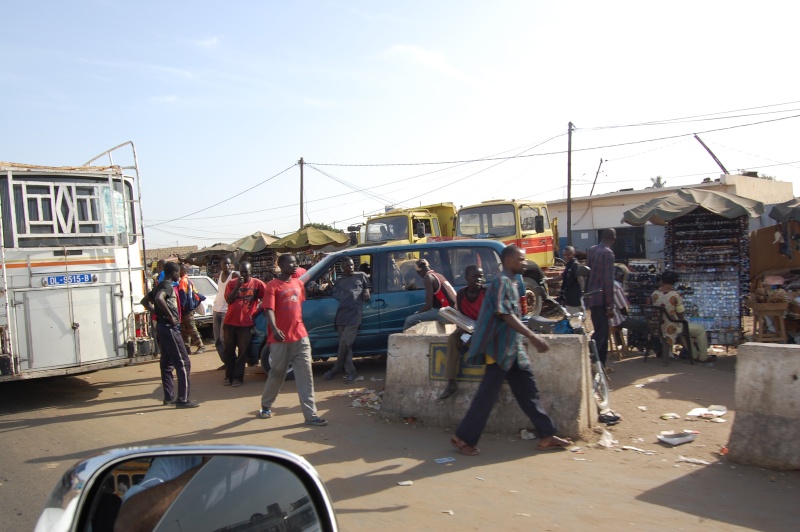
[535, 296]
[265, 362]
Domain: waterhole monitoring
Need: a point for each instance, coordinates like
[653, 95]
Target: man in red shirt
[242, 295]
[288, 341]
[468, 302]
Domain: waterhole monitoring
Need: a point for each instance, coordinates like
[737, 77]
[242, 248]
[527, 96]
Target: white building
[592, 214]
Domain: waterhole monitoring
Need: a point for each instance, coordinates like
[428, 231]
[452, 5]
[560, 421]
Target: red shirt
[469, 308]
[286, 298]
[240, 312]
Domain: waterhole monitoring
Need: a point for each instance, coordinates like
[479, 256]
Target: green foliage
[658, 182]
[324, 227]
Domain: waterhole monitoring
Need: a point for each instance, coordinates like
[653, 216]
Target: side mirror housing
[420, 229]
[538, 223]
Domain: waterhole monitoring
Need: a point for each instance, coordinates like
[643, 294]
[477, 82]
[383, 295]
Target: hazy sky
[219, 97]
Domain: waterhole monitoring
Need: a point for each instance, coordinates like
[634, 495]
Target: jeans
[344, 357]
[219, 341]
[236, 338]
[174, 356]
[298, 354]
[523, 386]
[419, 317]
[600, 335]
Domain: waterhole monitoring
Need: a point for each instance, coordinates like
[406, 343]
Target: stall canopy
[788, 210]
[659, 211]
[201, 256]
[309, 238]
[254, 243]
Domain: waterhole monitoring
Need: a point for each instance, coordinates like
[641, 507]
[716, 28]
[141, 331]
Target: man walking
[571, 289]
[438, 293]
[600, 260]
[242, 295]
[220, 306]
[497, 343]
[163, 302]
[351, 290]
[189, 331]
[468, 301]
[288, 341]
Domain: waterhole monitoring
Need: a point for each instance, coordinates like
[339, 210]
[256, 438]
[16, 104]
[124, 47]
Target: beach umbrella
[310, 238]
[201, 256]
[661, 210]
[254, 243]
[788, 210]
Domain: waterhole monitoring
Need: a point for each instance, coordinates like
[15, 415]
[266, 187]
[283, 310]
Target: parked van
[397, 291]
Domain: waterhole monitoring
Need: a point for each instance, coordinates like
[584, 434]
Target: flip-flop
[558, 443]
[463, 447]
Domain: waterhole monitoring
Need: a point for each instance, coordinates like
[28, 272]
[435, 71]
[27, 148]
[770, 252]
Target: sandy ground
[47, 425]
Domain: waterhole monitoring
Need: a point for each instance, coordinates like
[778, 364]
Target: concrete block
[766, 429]
[414, 380]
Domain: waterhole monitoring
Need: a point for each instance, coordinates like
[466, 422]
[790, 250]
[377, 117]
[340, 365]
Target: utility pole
[595, 176]
[570, 127]
[711, 153]
[300, 162]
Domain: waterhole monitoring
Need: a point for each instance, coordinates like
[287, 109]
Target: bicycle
[576, 324]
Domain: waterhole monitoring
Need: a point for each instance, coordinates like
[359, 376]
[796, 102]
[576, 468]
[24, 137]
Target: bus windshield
[487, 221]
[387, 228]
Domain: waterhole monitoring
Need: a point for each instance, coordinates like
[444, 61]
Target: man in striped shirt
[497, 343]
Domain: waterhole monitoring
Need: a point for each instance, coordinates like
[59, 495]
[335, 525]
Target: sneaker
[186, 404]
[170, 401]
[329, 375]
[350, 378]
[450, 389]
[201, 349]
[316, 421]
[234, 384]
[226, 382]
[265, 413]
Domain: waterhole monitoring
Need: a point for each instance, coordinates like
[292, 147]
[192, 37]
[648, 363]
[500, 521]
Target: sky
[402, 103]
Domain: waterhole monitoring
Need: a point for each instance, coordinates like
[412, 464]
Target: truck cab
[411, 226]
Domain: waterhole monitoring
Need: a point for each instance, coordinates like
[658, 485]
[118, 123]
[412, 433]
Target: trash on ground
[607, 440]
[688, 460]
[480, 478]
[670, 415]
[523, 515]
[444, 460]
[449, 512]
[673, 437]
[658, 379]
[581, 459]
[724, 450]
[405, 483]
[710, 412]
[638, 450]
[373, 379]
[527, 435]
[639, 385]
[642, 408]
[575, 449]
[364, 398]
[360, 378]
[718, 420]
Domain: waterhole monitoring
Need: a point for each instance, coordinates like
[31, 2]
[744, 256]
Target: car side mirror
[538, 223]
[420, 230]
[190, 488]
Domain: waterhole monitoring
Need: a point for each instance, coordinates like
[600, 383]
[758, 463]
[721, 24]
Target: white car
[204, 313]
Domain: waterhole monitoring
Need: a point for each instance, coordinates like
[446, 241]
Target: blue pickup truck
[397, 292]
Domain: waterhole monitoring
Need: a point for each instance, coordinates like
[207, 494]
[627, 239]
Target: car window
[401, 273]
[485, 258]
[321, 283]
[204, 286]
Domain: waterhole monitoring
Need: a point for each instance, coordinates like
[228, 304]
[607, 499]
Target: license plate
[76, 278]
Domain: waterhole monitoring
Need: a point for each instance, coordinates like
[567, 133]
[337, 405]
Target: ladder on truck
[134, 203]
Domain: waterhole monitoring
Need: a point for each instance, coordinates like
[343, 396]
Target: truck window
[487, 221]
[387, 228]
[527, 216]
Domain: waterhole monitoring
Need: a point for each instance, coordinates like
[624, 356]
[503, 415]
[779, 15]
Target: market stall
[707, 244]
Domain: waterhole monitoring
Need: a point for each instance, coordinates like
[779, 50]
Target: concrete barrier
[415, 378]
[766, 430]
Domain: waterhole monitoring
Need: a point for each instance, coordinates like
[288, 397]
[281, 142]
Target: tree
[658, 182]
[767, 177]
[324, 227]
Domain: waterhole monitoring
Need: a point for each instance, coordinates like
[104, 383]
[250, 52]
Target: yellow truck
[412, 226]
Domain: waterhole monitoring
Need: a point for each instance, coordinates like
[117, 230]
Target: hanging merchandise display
[262, 264]
[642, 281]
[711, 254]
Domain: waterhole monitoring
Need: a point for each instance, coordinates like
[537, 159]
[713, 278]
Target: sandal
[555, 443]
[463, 447]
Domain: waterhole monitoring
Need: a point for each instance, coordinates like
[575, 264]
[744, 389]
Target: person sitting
[668, 298]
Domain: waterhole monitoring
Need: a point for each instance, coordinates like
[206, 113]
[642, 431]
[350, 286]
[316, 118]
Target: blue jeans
[523, 386]
[419, 317]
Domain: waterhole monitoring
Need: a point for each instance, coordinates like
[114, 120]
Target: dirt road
[47, 425]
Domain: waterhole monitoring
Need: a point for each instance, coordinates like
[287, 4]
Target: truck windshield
[489, 221]
[387, 229]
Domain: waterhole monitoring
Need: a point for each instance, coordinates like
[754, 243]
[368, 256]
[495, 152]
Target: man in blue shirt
[497, 343]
